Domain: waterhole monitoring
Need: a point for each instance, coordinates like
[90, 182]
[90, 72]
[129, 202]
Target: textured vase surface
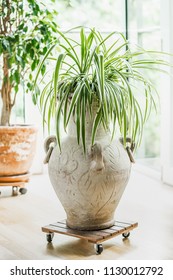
[17, 149]
[89, 186]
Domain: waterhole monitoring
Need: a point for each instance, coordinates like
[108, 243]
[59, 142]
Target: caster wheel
[126, 234]
[15, 190]
[23, 190]
[49, 237]
[99, 249]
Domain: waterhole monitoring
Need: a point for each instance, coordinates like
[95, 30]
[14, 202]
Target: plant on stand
[27, 28]
[99, 93]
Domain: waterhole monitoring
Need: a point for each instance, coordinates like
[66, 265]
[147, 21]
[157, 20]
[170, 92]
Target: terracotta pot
[89, 186]
[17, 149]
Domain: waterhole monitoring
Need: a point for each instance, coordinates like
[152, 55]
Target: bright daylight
[86, 131]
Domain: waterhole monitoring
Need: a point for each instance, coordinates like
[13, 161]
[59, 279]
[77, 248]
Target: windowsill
[148, 170]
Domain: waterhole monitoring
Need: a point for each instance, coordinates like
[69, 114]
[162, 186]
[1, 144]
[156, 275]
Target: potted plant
[26, 30]
[98, 92]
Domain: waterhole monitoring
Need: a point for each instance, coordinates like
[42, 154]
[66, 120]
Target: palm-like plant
[95, 70]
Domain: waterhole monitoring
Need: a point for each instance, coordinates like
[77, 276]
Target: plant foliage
[103, 70]
[27, 28]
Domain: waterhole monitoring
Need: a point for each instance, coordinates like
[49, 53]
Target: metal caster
[49, 237]
[126, 234]
[98, 248]
[15, 190]
[23, 190]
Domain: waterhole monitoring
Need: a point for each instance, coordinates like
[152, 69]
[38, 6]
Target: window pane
[104, 14]
[144, 30]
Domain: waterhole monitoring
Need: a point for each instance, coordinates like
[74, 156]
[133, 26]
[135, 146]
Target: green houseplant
[26, 29]
[97, 81]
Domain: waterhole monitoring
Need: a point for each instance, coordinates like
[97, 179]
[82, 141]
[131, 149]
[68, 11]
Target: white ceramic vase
[88, 186]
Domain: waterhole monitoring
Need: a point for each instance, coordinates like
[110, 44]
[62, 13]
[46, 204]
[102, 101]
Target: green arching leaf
[36, 94]
[139, 124]
[96, 123]
[102, 41]
[150, 68]
[112, 102]
[135, 127]
[114, 90]
[111, 47]
[112, 54]
[41, 63]
[58, 119]
[83, 118]
[71, 55]
[89, 40]
[70, 67]
[56, 74]
[146, 105]
[125, 127]
[71, 46]
[75, 97]
[45, 108]
[78, 120]
[102, 78]
[51, 109]
[114, 125]
[100, 75]
[98, 69]
[99, 60]
[83, 47]
[89, 60]
[43, 94]
[66, 104]
[65, 84]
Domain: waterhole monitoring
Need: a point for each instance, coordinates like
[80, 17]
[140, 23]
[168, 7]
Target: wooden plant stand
[97, 237]
[16, 182]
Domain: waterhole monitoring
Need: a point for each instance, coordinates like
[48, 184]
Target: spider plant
[103, 70]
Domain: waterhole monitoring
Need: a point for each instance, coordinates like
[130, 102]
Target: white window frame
[167, 95]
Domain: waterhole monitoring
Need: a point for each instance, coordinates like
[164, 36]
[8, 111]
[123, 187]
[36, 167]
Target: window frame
[167, 95]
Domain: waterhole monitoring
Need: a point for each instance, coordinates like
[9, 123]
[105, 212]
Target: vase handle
[130, 146]
[97, 161]
[49, 144]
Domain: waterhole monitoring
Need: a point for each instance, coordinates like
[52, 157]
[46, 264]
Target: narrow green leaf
[41, 64]
[66, 104]
[78, 120]
[90, 39]
[56, 74]
[96, 123]
[58, 119]
[83, 109]
[75, 97]
[43, 94]
[83, 47]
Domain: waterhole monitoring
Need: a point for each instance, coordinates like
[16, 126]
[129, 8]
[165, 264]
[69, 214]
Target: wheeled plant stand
[16, 182]
[97, 237]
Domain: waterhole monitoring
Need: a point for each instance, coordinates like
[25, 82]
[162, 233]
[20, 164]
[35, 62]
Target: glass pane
[18, 111]
[104, 14]
[144, 30]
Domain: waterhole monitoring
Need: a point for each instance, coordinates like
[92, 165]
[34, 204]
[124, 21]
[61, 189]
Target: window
[167, 95]
[105, 15]
[144, 30]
